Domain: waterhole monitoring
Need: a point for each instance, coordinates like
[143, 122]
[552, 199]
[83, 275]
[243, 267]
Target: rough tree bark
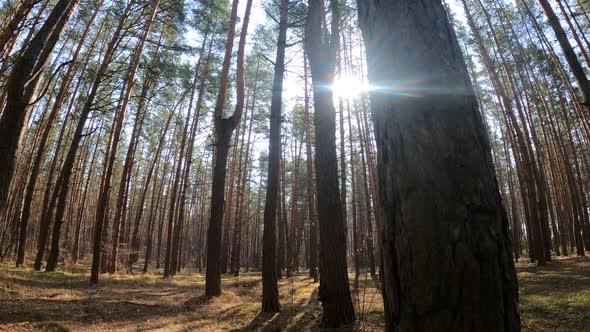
[270, 291]
[313, 224]
[447, 259]
[355, 239]
[334, 292]
[293, 232]
[22, 84]
[223, 129]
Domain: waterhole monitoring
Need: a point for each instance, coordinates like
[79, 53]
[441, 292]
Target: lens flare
[349, 87]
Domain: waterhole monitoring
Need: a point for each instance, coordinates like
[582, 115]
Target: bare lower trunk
[270, 292]
[334, 292]
[223, 129]
[447, 263]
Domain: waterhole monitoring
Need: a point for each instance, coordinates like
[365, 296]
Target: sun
[348, 87]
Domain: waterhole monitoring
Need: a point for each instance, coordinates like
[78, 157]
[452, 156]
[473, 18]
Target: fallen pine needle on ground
[555, 297]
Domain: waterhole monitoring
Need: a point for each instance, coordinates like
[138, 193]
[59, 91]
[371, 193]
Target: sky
[293, 87]
[293, 83]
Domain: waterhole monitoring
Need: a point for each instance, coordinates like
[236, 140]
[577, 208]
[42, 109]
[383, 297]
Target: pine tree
[429, 254]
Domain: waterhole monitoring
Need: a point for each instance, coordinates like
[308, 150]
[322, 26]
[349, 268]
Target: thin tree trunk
[292, 240]
[22, 85]
[101, 207]
[311, 199]
[355, 240]
[270, 291]
[24, 220]
[568, 52]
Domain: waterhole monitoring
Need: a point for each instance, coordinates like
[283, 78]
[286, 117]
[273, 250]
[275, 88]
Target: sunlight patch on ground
[554, 297]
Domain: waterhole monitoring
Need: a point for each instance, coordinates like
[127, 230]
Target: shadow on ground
[555, 297]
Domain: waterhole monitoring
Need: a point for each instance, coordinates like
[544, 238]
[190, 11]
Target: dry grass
[553, 298]
[64, 300]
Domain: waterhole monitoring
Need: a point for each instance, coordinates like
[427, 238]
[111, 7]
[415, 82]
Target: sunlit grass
[554, 297]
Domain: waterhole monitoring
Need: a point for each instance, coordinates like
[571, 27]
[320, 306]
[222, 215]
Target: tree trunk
[568, 52]
[223, 128]
[44, 138]
[281, 239]
[225, 239]
[334, 292]
[292, 239]
[22, 84]
[135, 237]
[100, 210]
[270, 291]
[138, 123]
[355, 240]
[365, 186]
[447, 259]
[9, 30]
[311, 199]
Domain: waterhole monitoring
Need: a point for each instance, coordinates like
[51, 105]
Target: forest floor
[553, 298]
